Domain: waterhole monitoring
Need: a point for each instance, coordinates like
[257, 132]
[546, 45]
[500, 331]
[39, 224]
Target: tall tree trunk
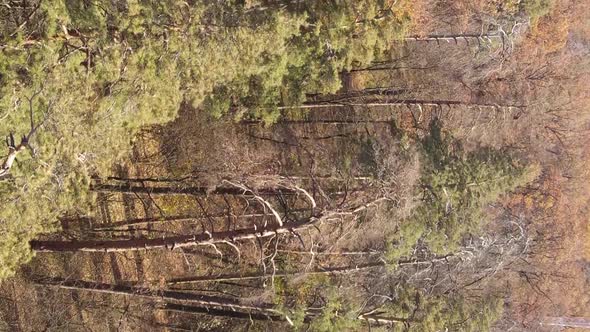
[156, 295]
[144, 221]
[128, 188]
[254, 276]
[344, 102]
[388, 66]
[578, 322]
[383, 91]
[196, 303]
[318, 121]
[258, 315]
[327, 270]
[206, 238]
[467, 38]
[170, 242]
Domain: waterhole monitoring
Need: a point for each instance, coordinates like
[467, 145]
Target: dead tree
[566, 322]
[318, 121]
[191, 302]
[345, 101]
[13, 148]
[191, 309]
[129, 188]
[466, 38]
[269, 316]
[326, 270]
[167, 219]
[390, 66]
[351, 105]
[155, 294]
[202, 239]
[172, 242]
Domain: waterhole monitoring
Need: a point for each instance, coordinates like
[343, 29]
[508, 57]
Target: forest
[294, 165]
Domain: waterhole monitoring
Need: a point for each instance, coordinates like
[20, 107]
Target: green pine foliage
[535, 9]
[417, 311]
[336, 315]
[455, 188]
[318, 304]
[334, 36]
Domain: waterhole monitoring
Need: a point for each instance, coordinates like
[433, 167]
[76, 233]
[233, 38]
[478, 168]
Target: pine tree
[455, 188]
[421, 312]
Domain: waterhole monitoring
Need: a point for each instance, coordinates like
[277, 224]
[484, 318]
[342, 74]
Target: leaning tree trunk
[466, 38]
[257, 315]
[171, 242]
[574, 322]
[327, 270]
[128, 188]
[344, 102]
[156, 295]
[256, 276]
[207, 238]
[349, 103]
[266, 316]
[318, 121]
[170, 219]
[198, 303]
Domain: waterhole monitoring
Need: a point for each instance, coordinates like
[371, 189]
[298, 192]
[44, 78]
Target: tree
[455, 188]
[408, 309]
[335, 36]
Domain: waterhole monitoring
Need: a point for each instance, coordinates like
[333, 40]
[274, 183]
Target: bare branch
[260, 199]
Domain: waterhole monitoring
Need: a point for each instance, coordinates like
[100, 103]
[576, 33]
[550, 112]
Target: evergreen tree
[421, 312]
[455, 188]
[408, 309]
[335, 36]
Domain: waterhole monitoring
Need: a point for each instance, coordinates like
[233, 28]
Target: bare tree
[206, 238]
[13, 148]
